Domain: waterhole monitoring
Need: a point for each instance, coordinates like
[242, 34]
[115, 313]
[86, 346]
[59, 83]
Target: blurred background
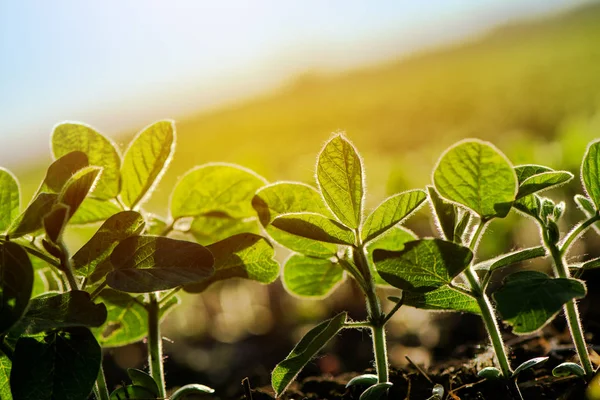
[264, 84]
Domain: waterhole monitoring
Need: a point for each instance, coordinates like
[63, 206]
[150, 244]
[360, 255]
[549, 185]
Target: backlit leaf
[150, 263]
[94, 210]
[444, 298]
[227, 188]
[445, 214]
[543, 181]
[145, 161]
[245, 255]
[532, 363]
[526, 171]
[5, 367]
[590, 172]
[126, 322]
[568, 368]
[528, 300]
[213, 227]
[311, 277]
[423, 265]
[61, 170]
[78, 187]
[287, 370]
[394, 239]
[316, 227]
[10, 198]
[140, 378]
[505, 260]
[30, 220]
[16, 284]
[588, 208]
[376, 392]
[100, 151]
[340, 178]
[392, 211]
[478, 176]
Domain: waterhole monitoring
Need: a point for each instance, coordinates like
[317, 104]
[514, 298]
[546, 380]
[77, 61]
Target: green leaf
[478, 176]
[543, 181]
[526, 171]
[445, 214]
[227, 188]
[568, 368]
[363, 380]
[213, 227]
[287, 370]
[100, 151]
[311, 277]
[394, 239]
[245, 255]
[94, 210]
[155, 225]
[115, 229]
[280, 198]
[340, 178]
[444, 298]
[145, 264]
[5, 367]
[140, 378]
[193, 388]
[126, 322]
[528, 365]
[16, 284]
[464, 217]
[588, 209]
[56, 221]
[145, 161]
[61, 170]
[78, 187]
[46, 277]
[423, 265]
[316, 227]
[10, 198]
[391, 212]
[58, 365]
[490, 373]
[132, 392]
[505, 260]
[376, 392]
[529, 205]
[30, 220]
[530, 299]
[590, 172]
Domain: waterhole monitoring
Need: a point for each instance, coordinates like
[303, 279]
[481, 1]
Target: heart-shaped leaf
[145, 161]
[340, 178]
[316, 227]
[423, 265]
[478, 176]
[16, 284]
[145, 264]
[311, 277]
[10, 198]
[100, 151]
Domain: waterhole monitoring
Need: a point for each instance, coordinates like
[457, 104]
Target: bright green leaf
[102, 152]
[543, 181]
[5, 367]
[340, 178]
[115, 229]
[316, 227]
[423, 265]
[245, 255]
[227, 188]
[10, 198]
[213, 227]
[444, 298]
[94, 210]
[30, 220]
[16, 284]
[526, 171]
[445, 214]
[311, 277]
[145, 161]
[61, 170]
[590, 172]
[150, 263]
[127, 320]
[57, 365]
[529, 205]
[505, 260]
[530, 299]
[78, 187]
[287, 370]
[392, 211]
[478, 176]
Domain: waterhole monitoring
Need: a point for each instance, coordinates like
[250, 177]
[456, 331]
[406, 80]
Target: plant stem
[380, 351]
[155, 354]
[576, 232]
[100, 389]
[570, 308]
[66, 267]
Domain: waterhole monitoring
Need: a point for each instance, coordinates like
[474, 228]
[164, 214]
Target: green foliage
[534, 362]
[10, 198]
[445, 298]
[5, 367]
[126, 320]
[590, 172]
[16, 284]
[310, 276]
[316, 227]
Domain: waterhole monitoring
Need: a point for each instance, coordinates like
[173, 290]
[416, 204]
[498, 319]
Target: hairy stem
[100, 389]
[155, 352]
[576, 232]
[66, 267]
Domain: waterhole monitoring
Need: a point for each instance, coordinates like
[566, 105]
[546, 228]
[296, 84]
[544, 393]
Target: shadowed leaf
[444, 212]
[78, 187]
[61, 170]
[16, 284]
[5, 367]
[213, 227]
[126, 322]
[316, 227]
[31, 219]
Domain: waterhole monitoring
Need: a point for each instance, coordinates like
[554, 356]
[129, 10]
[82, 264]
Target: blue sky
[113, 63]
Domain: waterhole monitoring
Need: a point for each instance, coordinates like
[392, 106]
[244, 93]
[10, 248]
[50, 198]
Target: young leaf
[126, 322]
[445, 214]
[227, 188]
[145, 264]
[529, 205]
[423, 265]
[145, 161]
[245, 255]
[94, 210]
[505, 260]
[58, 365]
[340, 178]
[140, 378]
[530, 299]
[16, 284]
[529, 364]
[311, 277]
[61, 170]
[363, 380]
[490, 373]
[478, 176]
[100, 151]
[587, 207]
[394, 239]
[590, 172]
[444, 298]
[213, 227]
[314, 226]
[115, 229]
[568, 368]
[78, 186]
[287, 370]
[133, 392]
[30, 220]
[55, 222]
[191, 389]
[543, 181]
[464, 218]
[391, 212]
[5, 367]
[528, 170]
[10, 198]
[59, 311]
[376, 392]
[291, 197]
